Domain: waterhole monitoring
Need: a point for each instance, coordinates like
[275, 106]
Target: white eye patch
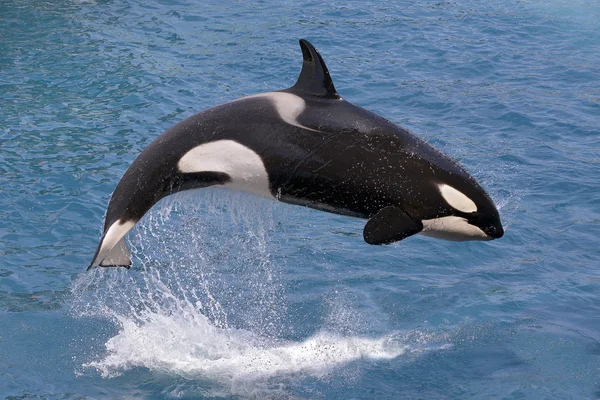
[457, 199]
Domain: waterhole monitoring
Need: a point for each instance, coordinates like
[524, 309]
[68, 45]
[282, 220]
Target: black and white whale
[307, 146]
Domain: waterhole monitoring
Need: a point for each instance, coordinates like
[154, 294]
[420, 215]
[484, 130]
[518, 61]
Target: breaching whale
[306, 146]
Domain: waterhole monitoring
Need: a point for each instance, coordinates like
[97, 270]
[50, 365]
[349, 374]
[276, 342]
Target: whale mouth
[494, 231]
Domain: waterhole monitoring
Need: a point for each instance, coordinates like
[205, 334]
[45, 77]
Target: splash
[206, 301]
[192, 347]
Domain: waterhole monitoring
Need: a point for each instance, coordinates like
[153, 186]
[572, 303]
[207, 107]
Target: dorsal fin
[314, 78]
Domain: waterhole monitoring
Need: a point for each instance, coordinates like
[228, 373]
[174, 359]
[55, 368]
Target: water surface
[234, 296]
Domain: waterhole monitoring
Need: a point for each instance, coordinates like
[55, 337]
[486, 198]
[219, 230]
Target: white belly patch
[245, 168]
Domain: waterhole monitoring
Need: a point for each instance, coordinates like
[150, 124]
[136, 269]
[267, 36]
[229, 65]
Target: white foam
[192, 347]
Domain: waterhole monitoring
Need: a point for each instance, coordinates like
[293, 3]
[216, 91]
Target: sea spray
[205, 300]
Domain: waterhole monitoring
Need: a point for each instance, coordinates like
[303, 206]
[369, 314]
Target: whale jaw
[453, 228]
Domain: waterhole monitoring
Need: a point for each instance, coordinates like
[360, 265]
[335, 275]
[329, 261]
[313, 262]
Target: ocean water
[232, 296]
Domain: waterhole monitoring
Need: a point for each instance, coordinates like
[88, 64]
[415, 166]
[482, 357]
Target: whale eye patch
[457, 199]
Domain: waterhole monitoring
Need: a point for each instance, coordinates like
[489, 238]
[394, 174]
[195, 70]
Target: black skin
[356, 163]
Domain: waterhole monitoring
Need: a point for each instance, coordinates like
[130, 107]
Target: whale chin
[453, 228]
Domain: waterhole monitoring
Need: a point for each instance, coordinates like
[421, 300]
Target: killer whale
[305, 145]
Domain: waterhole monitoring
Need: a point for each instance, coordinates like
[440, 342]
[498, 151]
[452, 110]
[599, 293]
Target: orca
[307, 146]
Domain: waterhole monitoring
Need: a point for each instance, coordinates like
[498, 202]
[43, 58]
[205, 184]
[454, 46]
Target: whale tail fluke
[118, 256]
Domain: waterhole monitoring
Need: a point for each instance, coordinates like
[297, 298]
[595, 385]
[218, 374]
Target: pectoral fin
[389, 225]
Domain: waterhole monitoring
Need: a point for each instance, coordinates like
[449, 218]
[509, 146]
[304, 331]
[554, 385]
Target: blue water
[238, 297]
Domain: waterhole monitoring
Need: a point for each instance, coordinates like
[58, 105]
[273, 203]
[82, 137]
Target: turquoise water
[234, 296]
